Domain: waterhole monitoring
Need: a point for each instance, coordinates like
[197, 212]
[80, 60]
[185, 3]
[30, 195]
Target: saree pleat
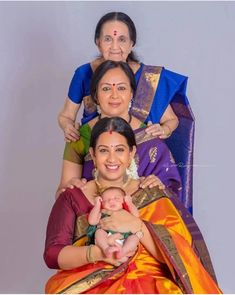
[182, 271]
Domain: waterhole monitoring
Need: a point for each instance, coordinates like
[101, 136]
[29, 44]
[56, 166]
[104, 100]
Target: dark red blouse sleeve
[60, 228]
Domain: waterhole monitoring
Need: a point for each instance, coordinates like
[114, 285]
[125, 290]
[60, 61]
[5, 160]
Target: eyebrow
[107, 146]
[106, 83]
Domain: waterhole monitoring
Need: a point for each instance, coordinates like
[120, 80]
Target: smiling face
[113, 199]
[114, 42]
[111, 157]
[114, 93]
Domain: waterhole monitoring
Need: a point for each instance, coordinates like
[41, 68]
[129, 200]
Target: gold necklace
[101, 188]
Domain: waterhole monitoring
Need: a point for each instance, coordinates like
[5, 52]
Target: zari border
[166, 243]
[145, 92]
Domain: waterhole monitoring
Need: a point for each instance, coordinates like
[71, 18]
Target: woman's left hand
[156, 130]
[151, 181]
[120, 221]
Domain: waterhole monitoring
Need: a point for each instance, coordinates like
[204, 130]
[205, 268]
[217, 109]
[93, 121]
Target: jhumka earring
[132, 170]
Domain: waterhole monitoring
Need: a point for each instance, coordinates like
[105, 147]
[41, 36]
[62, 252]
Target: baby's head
[113, 198]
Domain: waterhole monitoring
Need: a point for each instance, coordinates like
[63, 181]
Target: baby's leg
[129, 245]
[101, 240]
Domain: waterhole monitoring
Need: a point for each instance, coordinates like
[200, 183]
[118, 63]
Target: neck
[102, 183]
[127, 117]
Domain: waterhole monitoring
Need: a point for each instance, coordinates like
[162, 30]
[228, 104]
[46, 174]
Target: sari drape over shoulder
[184, 270]
[157, 88]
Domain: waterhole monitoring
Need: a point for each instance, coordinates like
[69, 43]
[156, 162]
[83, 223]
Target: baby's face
[112, 200]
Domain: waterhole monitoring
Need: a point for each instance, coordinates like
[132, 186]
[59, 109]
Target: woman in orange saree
[165, 261]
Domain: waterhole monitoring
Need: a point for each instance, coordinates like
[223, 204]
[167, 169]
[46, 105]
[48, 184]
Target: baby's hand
[128, 199]
[98, 201]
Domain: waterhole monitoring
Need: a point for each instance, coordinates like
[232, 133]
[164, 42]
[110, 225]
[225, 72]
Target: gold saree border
[86, 283]
[145, 93]
[172, 257]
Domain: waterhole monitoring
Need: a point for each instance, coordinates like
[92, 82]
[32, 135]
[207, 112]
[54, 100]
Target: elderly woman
[165, 261]
[112, 87]
[160, 96]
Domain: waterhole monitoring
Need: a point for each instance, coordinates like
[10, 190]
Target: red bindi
[110, 131]
[113, 84]
[115, 33]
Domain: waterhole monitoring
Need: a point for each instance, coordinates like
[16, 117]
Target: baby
[112, 199]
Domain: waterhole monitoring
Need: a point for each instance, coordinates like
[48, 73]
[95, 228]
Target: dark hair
[115, 124]
[113, 188]
[122, 17]
[105, 67]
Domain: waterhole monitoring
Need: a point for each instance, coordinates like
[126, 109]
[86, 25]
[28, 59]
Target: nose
[114, 91]
[114, 45]
[111, 157]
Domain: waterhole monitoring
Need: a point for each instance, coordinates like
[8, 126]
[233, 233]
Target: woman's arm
[168, 123]
[66, 120]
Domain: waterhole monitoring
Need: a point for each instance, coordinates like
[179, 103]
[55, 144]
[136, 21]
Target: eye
[103, 150]
[105, 88]
[120, 150]
[122, 39]
[107, 38]
[122, 88]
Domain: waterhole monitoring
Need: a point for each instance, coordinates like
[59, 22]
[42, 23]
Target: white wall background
[41, 44]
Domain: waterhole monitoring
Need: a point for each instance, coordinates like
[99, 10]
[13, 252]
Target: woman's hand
[120, 221]
[151, 181]
[158, 130]
[76, 182]
[71, 131]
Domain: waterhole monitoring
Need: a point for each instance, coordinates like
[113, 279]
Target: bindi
[110, 131]
[114, 84]
[115, 33]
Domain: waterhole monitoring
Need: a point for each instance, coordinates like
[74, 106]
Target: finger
[77, 126]
[149, 123]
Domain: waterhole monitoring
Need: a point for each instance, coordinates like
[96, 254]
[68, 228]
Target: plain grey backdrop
[41, 44]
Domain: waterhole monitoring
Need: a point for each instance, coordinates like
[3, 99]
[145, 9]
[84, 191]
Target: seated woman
[165, 261]
[112, 87]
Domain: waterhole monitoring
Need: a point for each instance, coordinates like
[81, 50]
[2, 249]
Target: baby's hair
[113, 188]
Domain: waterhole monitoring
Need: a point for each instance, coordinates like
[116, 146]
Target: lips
[114, 104]
[112, 167]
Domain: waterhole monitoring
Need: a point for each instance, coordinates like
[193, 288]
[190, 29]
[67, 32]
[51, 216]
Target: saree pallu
[157, 88]
[152, 157]
[182, 271]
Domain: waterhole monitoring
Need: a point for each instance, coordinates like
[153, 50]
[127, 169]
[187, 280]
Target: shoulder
[85, 68]
[73, 199]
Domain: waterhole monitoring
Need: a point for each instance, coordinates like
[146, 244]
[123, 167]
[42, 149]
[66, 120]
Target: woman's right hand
[74, 182]
[71, 131]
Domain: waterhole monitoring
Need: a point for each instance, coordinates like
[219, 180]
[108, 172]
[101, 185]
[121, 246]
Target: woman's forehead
[115, 28]
[111, 139]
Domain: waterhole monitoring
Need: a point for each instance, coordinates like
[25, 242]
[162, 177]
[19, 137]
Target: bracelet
[140, 232]
[89, 257]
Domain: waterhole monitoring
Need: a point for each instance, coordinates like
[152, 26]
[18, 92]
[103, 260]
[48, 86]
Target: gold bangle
[89, 257]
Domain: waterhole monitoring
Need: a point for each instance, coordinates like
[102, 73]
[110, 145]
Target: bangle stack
[89, 257]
